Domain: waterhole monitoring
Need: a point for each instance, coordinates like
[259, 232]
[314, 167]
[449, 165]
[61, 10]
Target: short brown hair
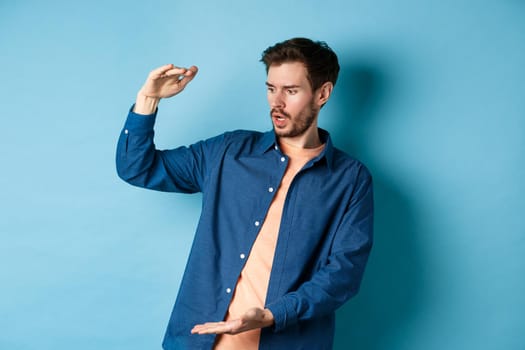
[320, 61]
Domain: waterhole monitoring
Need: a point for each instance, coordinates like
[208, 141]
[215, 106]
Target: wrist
[268, 319]
[146, 104]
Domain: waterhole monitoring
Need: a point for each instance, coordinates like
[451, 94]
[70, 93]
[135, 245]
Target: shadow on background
[392, 290]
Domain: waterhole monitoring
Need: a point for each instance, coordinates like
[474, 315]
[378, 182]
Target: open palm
[252, 319]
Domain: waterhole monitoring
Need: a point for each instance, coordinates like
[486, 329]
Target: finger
[175, 71]
[161, 70]
[184, 72]
[204, 330]
[181, 71]
[213, 328]
[194, 69]
[188, 76]
[206, 325]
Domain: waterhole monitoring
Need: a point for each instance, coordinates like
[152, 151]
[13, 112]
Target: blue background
[431, 97]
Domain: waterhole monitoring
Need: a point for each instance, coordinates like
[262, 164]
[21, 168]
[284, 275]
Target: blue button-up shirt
[324, 238]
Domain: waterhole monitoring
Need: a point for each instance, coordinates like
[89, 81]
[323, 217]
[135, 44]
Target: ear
[323, 93]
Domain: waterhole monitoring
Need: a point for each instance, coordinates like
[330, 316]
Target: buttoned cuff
[284, 313]
[140, 122]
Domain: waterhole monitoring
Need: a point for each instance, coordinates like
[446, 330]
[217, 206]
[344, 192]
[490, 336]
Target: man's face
[291, 99]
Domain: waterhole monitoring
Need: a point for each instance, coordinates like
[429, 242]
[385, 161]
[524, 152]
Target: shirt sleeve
[183, 169]
[339, 279]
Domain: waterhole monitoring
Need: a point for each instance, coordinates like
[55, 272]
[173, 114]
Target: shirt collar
[268, 141]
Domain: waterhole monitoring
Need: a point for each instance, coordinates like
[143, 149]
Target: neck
[309, 139]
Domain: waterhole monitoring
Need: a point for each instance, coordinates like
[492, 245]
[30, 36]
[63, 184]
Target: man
[286, 224]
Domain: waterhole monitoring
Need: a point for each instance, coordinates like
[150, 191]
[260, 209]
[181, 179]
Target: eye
[291, 91]
[270, 89]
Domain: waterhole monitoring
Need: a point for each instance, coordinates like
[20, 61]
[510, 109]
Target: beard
[297, 125]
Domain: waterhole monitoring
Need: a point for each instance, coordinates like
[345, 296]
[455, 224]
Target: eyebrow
[285, 86]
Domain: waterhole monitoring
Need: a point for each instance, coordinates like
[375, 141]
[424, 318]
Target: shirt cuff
[140, 122]
[284, 313]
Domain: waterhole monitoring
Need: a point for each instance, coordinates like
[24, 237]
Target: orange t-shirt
[252, 285]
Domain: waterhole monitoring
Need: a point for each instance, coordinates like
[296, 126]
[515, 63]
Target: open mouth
[279, 116]
[279, 119]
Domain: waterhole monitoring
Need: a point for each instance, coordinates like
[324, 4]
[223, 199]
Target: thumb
[188, 76]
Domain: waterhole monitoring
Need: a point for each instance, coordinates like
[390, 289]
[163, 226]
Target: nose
[276, 100]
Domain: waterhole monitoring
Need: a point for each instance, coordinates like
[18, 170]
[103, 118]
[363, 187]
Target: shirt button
[126, 131]
[276, 148]
[242, 256]
[257, 223]
[228, 290]
[270, 189]
[283, 159]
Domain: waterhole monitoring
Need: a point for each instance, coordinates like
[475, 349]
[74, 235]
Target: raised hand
[167, 81]
[162, 82]
[252, 319]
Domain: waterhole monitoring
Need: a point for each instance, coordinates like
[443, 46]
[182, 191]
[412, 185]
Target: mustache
[279, 111]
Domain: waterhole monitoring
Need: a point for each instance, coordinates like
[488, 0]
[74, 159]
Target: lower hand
[252, 319]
